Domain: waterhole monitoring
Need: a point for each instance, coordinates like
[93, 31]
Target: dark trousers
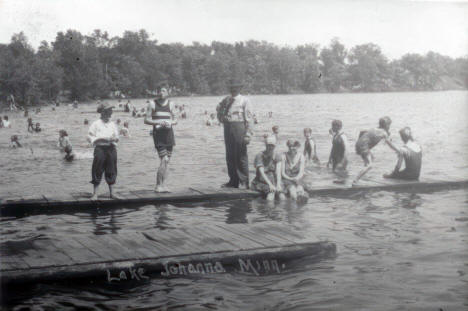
[105, 161]
[236, 153]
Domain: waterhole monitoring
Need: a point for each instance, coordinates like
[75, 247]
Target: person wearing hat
[292, 170]
[103, 134]
[411, 153]
[235, 113]
[367, 140]
[161, 114]
[268, 171]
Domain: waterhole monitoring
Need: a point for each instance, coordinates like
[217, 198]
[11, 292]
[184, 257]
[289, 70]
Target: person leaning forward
[235, 113]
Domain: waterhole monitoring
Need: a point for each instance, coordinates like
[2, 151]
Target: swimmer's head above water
[406, 135]
[384, 123]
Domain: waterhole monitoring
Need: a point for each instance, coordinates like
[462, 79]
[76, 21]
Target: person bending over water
[338, 154]
[268, 176]
[310, 150]
[367, 140]
[411, 153]
[14, 142]
[292, 170]
[162, 116]
[104, 135]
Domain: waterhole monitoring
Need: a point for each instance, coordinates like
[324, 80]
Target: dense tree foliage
[85, 67]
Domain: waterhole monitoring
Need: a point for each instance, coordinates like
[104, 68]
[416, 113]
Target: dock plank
[242, 243]
[208, 241]
[248, 235]
[78, 252]
[99, 249]
[150, 240]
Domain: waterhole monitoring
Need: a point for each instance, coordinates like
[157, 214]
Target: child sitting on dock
[104, 135]
[367, 140]
[338, 154]
[411, 153]
[310, 150]
[292, 170]
[14, 142]
[268, 167]
[63, 140]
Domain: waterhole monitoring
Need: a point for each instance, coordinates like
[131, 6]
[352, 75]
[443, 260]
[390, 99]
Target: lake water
[395, 251]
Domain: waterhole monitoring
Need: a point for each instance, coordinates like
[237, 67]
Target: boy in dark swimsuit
[411, 153]
[338, 154]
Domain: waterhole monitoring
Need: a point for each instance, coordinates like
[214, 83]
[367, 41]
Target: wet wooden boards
[258, 249]
[14, 206]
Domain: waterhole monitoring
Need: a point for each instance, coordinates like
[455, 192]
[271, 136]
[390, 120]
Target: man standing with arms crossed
[235, 113]
[160, 113]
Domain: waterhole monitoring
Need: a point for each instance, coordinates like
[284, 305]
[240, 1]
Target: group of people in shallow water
[278, 175]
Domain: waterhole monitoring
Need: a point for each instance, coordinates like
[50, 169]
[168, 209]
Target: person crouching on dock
[161, 114]
[411, 152]
[103, 134]
[367, 140]
[268, 166]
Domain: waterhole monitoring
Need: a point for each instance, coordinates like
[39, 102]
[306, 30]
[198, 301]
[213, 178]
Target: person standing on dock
[338, 155]
[235, 113]
[161, 114]
[367, 140]
[104, 135]
[411, 152]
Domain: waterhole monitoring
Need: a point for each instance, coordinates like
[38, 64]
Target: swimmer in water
[30, 125]
[367, 140]
[310, 150]
[411, 153]
[69, 155]
[124, 131]
[14, 142]
[37, 129]
[63, 141]
[275, 130]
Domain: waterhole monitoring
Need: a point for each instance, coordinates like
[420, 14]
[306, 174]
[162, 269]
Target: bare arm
[301, 169]
[148, 117]
[173, 114]
[278, 175]
[345, 145]
[248, 118]
[261, 169]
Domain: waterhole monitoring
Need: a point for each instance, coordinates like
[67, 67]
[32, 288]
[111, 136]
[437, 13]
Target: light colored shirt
[240, 111]
[102, 130]
[6, 123]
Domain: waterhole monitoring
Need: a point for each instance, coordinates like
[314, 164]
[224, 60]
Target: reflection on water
[395, 250]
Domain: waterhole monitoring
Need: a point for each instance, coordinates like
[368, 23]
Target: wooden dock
[18, 206]
[255, 249]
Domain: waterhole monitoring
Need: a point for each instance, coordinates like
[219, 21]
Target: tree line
[85, 67]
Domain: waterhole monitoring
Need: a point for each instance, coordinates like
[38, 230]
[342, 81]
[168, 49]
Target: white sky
[397, 26]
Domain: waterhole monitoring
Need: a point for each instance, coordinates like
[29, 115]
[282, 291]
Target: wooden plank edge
[238, 261]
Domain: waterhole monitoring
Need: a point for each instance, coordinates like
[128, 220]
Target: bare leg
[111, 194]
[162, 174]
[293, 193]
[281, 196]
[94, 196]
[270, 196]
[367, 167]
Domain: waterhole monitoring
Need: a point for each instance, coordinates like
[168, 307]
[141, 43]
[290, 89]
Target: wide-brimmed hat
[235, 83]
[104, 106]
